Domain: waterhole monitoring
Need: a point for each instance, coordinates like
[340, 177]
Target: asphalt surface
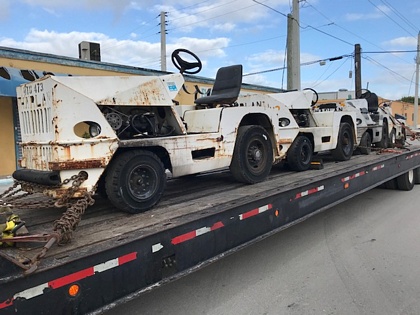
[360, 257]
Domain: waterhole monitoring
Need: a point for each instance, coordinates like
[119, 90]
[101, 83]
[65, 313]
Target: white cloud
[213, 16]
[402, 42]
[128, 52]
[91, 4]
[267, 57]
[205, 47]
[379, 12]
[56, 7]
[4, 10]
[225, 27]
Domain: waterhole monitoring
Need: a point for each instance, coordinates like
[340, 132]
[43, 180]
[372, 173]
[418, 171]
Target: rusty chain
[68, 222]
[73, 215]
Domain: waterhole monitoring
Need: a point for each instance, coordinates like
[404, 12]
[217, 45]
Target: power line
[193, 5]
[341, 40]
[385, 67]
[379, 9]
[332, 72]
[402, 17]
[348, 31]
[211, 18]
[268, 7]
[388, 51]
[307, 26]
[302, 64]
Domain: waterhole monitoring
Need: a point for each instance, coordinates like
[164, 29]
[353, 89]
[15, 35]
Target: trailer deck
[200, 218]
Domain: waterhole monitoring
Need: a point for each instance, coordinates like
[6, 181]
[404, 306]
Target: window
[4, 73]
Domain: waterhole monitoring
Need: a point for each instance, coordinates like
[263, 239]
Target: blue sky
[230, 32]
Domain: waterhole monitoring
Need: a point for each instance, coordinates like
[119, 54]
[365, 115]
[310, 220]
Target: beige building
[406, 110]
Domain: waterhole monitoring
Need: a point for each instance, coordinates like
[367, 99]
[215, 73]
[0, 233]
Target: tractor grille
[37, 157]
[35, 120]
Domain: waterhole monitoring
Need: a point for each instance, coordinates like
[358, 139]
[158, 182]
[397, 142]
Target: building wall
[7, 138]
[406, 110]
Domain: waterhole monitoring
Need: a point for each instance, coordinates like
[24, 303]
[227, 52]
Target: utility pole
[293, 48]
[357, 71]
[416, 93]
[163, 41]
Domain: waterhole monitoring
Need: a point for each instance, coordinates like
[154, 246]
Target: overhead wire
[130, 32]
[348, 31]
[302, 64]
[379, 9]
[385, 67]
[332, 72]
[401, 16]
[211, 18]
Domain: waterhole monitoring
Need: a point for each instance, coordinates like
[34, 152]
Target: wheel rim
[256, 156]
[346, 142]
[305, 154]
[142, 182]
[411, 176]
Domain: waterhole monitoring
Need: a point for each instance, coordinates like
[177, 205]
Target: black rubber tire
[391, 184]
[417, 175]
[392, 141]
[299, 155]
[100, 189]
[345, 143]
[406, 181]
[385, 137]
[365, 146]
[253, 155]
[135, 181]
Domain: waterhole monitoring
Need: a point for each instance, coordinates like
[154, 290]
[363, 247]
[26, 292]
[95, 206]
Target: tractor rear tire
[299, 155]
[253, 155]
[385, 137]
[365, 144]
[392, 140]
[345, 143]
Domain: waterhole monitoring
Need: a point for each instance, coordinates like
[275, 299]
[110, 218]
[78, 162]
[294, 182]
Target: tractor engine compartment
[134, 121]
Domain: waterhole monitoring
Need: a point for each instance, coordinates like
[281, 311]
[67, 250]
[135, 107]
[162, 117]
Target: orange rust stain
[67, 153]
[285, 141]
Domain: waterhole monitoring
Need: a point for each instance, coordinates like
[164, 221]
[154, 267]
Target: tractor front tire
[135, 181]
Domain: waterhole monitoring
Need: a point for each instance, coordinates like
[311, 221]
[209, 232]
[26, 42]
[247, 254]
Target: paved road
[361, 257]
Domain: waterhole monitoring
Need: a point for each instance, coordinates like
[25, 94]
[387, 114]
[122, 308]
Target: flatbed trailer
[115, 256]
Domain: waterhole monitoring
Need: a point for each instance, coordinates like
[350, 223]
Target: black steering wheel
[316, 96]
[185, 66]
[365, 93]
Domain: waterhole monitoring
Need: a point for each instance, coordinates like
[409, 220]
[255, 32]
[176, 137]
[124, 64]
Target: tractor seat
[225, 89]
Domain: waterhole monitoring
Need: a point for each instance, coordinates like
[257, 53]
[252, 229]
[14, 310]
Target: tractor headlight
[284, 122]
[94, 130]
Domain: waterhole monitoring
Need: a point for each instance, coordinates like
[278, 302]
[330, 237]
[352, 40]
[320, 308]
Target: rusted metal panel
[77, 165]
